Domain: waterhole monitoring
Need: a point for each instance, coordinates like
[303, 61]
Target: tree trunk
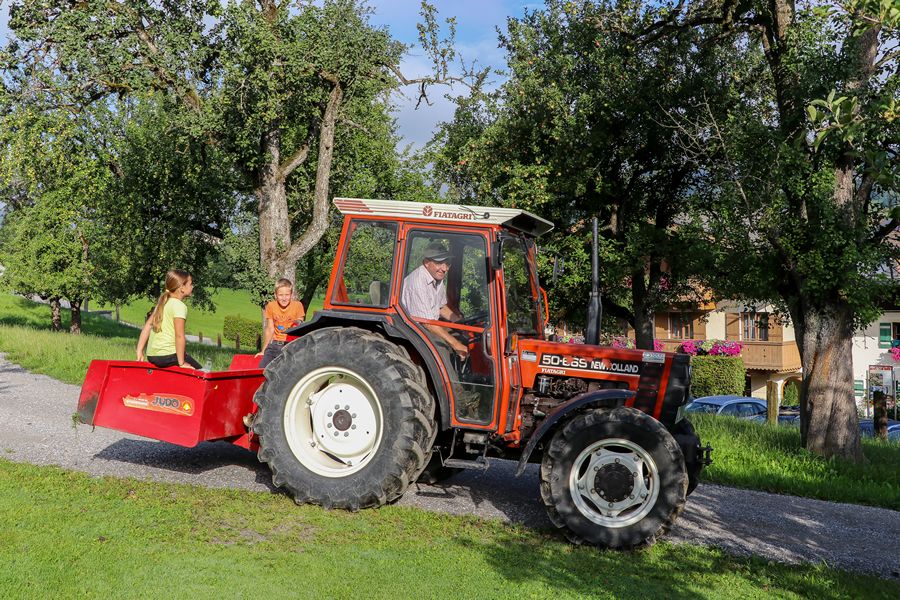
[278, 254]
[272, 209]
[75, 309]
[55, 319]
[308, 293]
[644, 328]
[829, 425]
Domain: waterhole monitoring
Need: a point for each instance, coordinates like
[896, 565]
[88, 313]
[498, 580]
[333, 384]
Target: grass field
[209, 323]
[768, 457]
[26, 338]
[69, 535]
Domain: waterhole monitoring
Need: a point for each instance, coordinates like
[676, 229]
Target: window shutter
[732, 326]
[662, 326]
[884, 335]
[699, 327]
[776, 330]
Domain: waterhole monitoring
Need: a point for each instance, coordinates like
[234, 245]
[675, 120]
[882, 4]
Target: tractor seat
[378, 293]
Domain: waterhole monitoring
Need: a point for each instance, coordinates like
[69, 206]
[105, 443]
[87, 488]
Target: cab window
[522, 316]
[365, 276]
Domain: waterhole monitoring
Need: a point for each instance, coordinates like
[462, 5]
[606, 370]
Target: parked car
[731, 406]
[867, 429]
[788, 419]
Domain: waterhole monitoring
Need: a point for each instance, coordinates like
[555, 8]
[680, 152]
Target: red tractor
[384, 387]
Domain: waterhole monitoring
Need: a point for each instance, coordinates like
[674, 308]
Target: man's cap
[437, 252]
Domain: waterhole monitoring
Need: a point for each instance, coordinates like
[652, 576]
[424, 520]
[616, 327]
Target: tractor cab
[462, 279]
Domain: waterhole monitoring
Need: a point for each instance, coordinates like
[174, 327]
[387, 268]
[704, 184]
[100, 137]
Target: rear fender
[396, 329]
[598, 399]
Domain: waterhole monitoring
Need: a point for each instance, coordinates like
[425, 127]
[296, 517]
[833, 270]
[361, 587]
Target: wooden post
[258, 342]
[200, 336]
[879, 414]
[219, 340]
[237, 341]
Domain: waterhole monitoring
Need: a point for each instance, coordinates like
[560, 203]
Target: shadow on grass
[665, 571]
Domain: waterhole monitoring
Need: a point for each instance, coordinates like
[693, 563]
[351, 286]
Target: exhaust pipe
[595, 308]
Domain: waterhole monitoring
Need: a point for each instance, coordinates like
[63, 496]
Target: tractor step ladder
[480, 463]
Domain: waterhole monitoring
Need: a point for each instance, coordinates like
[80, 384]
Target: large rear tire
[344, 419]
[613, 478]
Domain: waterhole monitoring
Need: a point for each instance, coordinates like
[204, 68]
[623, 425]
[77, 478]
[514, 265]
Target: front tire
[344, 419]
[613, 478]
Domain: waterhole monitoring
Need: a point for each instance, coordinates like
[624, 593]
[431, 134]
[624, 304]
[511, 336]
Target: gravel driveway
[36, 420]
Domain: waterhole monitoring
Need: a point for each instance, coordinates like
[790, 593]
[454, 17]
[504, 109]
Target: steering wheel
[474, 320]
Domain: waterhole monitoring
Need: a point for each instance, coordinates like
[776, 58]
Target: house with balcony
[874, 365]
[769, 351]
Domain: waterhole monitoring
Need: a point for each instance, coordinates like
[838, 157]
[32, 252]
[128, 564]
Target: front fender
[598, 399]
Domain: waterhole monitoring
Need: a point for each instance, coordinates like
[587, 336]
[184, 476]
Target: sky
[476, 36]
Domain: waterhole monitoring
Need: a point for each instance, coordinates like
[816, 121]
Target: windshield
[520, 281]
[701, 407]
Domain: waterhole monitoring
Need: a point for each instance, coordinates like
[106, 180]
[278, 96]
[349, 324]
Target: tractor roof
[512, 218]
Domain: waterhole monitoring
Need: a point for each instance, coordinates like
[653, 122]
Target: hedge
[248, 329]
[716, 375]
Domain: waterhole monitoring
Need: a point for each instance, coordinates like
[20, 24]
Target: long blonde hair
[174, 280]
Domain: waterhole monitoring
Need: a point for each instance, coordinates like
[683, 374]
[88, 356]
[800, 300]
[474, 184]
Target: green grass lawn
[767, 457]
[70, 535]
[209, 323]
[26, 338]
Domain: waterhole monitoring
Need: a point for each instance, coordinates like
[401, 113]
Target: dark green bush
[715, 375]
[791, 394]
[248, 329]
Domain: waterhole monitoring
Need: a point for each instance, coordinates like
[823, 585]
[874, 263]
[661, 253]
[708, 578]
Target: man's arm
[448, 314]
[461, 349]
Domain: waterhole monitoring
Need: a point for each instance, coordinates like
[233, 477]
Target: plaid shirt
[423, 295]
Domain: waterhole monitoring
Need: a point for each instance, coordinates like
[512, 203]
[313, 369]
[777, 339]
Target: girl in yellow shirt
[164, 329]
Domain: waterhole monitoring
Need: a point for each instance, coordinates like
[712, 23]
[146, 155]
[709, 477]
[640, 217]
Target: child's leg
[271, 353]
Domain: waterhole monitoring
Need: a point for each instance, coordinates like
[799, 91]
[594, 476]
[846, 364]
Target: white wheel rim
[590, 482]
[333, 422]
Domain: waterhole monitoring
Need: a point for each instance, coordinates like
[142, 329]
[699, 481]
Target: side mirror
[497, 254]
[558, 267]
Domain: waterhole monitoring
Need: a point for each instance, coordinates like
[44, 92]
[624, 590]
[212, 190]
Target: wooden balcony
[765, 356]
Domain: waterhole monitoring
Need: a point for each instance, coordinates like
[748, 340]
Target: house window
[681, 326]
[755, 326]
[888, 335]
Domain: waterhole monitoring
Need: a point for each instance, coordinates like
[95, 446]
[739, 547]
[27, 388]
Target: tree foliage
[801, 178]
[579, 130]
[271, 85]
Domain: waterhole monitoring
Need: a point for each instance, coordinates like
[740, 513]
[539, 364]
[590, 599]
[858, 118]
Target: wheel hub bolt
[610, 504]
[353, 427]
[346, 433]
[353, 416]
[337, 407]
[596, 468]
[328, 425]
[337, 433]
[617, 461]
[346, 407]
[330, 413]
[580, 486]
